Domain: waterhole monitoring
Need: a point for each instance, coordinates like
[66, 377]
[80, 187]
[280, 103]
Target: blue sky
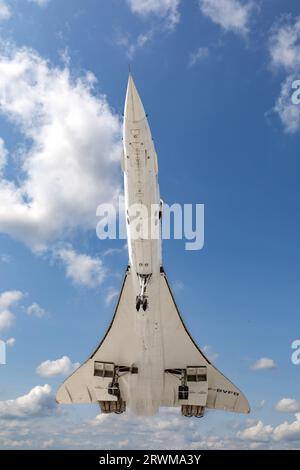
[216, 80]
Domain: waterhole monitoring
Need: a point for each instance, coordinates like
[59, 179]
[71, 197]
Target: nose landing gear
[142, 299]
[141, 302]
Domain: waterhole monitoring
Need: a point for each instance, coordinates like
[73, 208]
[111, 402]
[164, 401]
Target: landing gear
[114, 389]
[142, 300]
[183, 392]
[190, 411]
[117, 407]
[138, 303]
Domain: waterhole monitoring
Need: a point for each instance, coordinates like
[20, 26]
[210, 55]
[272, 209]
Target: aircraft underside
[148, 360]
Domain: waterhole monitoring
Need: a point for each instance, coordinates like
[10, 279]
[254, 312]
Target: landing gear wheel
[145, 304]
[192, 411]
[117, 407]
[120, 407]
[138, 304]
[105, 406]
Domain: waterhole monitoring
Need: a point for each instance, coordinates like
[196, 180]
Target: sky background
[216, 80]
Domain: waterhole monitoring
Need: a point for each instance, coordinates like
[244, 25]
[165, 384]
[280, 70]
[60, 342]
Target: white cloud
[82, 269]
[285, 46]
[38, 402]
[48, 444]
[231, 15]
[283, 432]
[123, 444]
[36, 311]
[3, 155]
[288, 112]
[288, 405]
[7, 300]
[133, 45]
[63, 366]
[165, 9]
[164, 12]
[264, 363]
[111, 295]
[72, 165]
[285, 54]
[200, 54]
[288, 431]
[11, 342]
[7, 319]
[20, 444]
[40, 3]
[5, 12]
[258, 432]
[113, 251]
[166, 430]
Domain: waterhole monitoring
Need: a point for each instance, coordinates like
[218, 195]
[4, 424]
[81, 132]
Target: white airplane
[147, 358]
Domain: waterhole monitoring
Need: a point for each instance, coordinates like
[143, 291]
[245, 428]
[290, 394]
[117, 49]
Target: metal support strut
[142, 299]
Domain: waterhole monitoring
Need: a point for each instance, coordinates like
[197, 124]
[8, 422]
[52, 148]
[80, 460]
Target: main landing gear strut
[142, 299]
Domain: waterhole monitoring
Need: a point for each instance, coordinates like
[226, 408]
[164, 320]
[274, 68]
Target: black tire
[118, 407]
[121, 407]
[187, 411]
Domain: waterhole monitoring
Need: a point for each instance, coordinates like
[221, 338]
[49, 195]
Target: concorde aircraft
[147, 358]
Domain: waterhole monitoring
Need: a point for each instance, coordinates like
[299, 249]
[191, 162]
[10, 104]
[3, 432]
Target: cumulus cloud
[10, 342]
[167, 430]
[5, 11]
[38, 402]
[231, 15]
[200, 54]
[3, 155]
[71, 165]
[82, 269]
[288, 112]
[8, 300]
[36, 310]
[259, 432]
[284, 432]
[168, 10]
[263, 363]
[288, 405]
[284, 47]
[288, 431]
[63, 366]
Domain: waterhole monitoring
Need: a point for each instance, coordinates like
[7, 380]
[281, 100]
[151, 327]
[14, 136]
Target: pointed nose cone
[134, 109]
